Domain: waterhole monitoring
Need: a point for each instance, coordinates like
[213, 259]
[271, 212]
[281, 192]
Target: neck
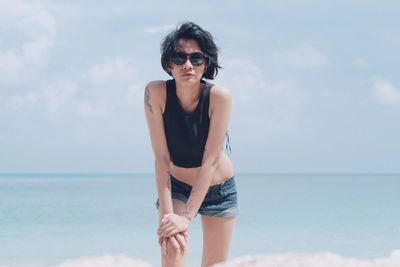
[188, 93]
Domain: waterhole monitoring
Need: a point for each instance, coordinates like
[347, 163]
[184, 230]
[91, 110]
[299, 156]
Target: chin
[191, 79]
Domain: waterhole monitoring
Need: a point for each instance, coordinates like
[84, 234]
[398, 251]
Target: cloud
[304, 56]
[21, 102]
[118, 74]
[58, 94]
[386, 93]
[135, 94]
[263, 103]
[114, 71]
[87, 109]
[57, 97]
[29, 30]
[360, 63]
[159, 29]
[249, 83]
[307, 56]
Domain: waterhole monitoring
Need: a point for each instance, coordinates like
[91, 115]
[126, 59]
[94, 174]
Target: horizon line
[152, 173]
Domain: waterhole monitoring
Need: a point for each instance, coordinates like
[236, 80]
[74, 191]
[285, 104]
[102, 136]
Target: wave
[326, 259]
[311, 260]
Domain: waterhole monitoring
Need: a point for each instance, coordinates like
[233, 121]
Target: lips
[188, 74]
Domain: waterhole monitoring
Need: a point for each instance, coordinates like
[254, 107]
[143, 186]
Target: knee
[172, 251]
[175, 250]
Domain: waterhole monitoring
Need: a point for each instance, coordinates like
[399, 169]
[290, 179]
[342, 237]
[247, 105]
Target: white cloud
[270, 105]
[20, 102]
[304, 56]
[58, 94]
[249, 84]
[360, 63]
[135, 94]
[386, 93]
[159, 29]
[10, 64]
[61, 98]
[29, 30]
[307, 56]
[87, 109]
[53, 97]
[114, 71]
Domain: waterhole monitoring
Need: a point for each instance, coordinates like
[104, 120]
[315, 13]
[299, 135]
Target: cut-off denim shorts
[220, 200]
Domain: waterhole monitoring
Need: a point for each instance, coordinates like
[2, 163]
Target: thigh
[217, 234]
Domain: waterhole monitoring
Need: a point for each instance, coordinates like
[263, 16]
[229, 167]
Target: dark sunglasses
[196, 58]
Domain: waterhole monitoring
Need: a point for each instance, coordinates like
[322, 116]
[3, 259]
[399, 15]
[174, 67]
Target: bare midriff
[223, 171]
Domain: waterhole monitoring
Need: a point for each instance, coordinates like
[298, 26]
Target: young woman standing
[188, 119]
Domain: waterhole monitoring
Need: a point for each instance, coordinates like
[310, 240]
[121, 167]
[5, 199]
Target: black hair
[191, 31]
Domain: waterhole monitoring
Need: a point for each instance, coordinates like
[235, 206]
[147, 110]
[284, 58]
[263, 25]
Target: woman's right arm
[153, 109]
[153, 102]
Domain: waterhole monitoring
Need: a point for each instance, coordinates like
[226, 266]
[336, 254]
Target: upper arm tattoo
[147, 99]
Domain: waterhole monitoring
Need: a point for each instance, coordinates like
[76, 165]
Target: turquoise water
[46, 219]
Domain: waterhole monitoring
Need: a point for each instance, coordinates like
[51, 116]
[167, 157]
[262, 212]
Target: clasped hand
[171, 224]
[173, 228]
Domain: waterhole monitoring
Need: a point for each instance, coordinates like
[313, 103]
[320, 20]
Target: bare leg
[217, 233]
[173, 257]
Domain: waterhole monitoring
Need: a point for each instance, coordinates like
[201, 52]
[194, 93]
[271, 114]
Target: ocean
[50, 219]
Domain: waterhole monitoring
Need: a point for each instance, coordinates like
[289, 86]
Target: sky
[315, 84]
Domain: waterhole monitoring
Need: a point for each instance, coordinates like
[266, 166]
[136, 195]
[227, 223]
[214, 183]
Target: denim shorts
[220, 200]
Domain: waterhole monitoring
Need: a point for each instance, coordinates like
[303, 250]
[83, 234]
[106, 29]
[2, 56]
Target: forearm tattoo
[147, 99]
[189, 207]
[169, 182]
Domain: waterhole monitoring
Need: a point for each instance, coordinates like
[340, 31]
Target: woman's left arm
[220, 103]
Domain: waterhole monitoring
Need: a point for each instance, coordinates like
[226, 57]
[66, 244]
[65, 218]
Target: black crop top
[186, 133]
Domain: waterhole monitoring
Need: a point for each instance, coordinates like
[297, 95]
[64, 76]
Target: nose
[188, 64]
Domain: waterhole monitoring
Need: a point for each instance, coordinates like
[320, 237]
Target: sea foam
[272, 260]
[311, 260]
[105, 261]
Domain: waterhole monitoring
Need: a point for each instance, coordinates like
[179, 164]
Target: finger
[170, 232]
[164, 246]
[163, 227]
[167, 230]
[186, 235]
[181, 240]
[173, 232]
[175, 243]
[163, 222]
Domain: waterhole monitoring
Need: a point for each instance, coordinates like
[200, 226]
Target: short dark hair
[191, 31]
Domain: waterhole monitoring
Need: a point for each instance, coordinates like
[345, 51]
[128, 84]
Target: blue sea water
[46, 219]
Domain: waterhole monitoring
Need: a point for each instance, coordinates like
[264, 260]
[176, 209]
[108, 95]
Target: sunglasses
[196, 58]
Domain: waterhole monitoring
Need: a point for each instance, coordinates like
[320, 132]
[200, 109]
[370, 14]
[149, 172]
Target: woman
[188, 119]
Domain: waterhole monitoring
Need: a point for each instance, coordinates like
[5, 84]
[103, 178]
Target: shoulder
[220, 100]
[155, 86]
[220, 95]
[155, 94]
[155, 90]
